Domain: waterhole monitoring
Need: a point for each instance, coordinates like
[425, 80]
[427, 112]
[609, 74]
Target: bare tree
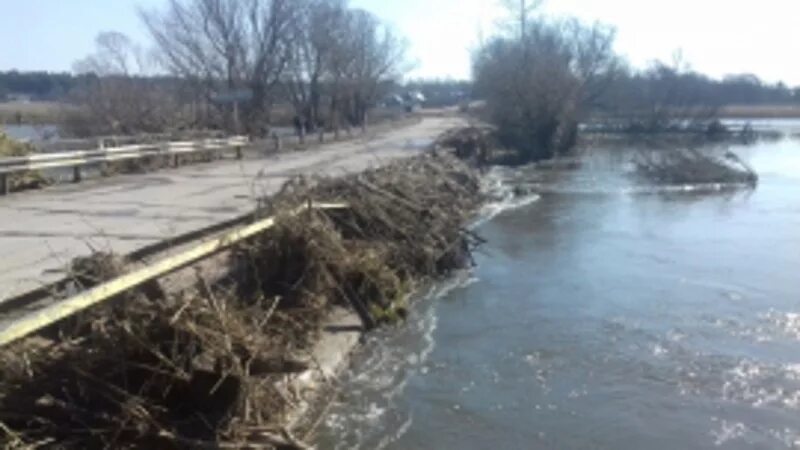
[228, 46]
[115, 54]
[665, 97]
[317, 35]
[120, 95]
[538, 80]
[594, 62]
[369, 58]
[344, 56]
[520, 13]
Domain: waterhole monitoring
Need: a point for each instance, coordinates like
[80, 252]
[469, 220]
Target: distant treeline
[626, 91]
[37, 85]
[667, 85]
[54, 86]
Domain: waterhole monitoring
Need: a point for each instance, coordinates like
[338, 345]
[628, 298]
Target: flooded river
[30, 132]
[604, 315]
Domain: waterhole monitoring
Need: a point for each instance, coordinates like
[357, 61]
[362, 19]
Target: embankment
[231, 361]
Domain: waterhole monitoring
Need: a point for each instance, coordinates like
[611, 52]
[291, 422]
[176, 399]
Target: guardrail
[36, 320]
[78, 159]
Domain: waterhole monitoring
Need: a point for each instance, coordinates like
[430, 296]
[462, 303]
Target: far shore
[760, 112]
[34, 112]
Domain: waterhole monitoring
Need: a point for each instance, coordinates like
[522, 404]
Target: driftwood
[205, 368]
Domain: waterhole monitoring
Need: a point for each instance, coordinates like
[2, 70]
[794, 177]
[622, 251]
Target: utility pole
[523, 30]
[236, 125]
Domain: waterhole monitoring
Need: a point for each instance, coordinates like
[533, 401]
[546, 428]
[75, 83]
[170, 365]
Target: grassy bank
[10, 148]
[208, 367]
[35, 113]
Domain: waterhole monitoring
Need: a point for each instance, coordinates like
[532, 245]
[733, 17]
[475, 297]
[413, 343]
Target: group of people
[303, 126]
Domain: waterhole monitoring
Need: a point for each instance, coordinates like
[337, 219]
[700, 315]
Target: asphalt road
[41, 231]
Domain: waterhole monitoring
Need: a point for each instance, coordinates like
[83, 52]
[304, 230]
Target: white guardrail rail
[81, 158]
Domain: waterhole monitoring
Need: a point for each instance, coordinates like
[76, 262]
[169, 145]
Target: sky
[717, 37]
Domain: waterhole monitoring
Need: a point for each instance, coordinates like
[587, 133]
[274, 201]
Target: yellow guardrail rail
[50, 314]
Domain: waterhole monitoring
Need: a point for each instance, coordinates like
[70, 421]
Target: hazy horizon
[441, 34]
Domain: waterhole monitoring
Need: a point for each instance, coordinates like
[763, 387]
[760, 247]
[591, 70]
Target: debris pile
[470, 143]
[206, 367]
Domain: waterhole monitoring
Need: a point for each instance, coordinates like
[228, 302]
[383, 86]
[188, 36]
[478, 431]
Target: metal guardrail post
[5, 183]
[176, 158]
[104, 166]
[277, 141]
[238, 152]
[77, 176]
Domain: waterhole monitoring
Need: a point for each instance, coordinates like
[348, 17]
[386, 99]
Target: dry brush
[206, 367]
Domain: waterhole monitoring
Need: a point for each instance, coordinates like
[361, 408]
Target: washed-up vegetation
[10, 148]
[207, 367]
[471, 143]
[691, 167]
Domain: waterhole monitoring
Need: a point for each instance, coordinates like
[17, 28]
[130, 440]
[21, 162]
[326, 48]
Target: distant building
[19, 98]
[408, 101]
[394, 100]
[414, 98]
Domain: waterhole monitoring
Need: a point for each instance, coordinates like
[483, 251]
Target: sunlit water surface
[605, 314]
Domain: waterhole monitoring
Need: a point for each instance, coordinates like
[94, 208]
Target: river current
[602, 314]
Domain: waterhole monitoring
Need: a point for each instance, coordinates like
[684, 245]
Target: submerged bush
[681, 167]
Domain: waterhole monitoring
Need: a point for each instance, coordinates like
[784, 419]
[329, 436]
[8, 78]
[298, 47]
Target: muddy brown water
[606, 315]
